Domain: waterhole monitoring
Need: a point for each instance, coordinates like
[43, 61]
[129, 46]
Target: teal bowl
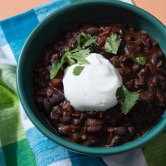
[88, 12]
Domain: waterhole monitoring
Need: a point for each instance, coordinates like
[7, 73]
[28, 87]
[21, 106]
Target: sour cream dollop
[95, 88]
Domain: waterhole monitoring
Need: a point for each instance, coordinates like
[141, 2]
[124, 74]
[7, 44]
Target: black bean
[76, 114]
[92, 30]
[84, 137]
[146, 96]
[67, 120]
[147, 50]
[68, 129]
[90, 121]
[121, 32]
[143, 71]
[130, 38]
[66, 105]
[161, 97]
[110, 130]
[54, 116]
[57, 110]
[82, 116]
[47, 104]
[72, 43]
[94, 128]
[115, 140]
[131, 130]
[56, 82]
[122, 130]
[56, 98]
[92, 114]
[124, 70]
[139, 41]
[89, 142]
[46, 56]
[55, 57]
[140, 81]
[147, 43]
[115, 61]
[43, 82]
[39, 102]
[136, 68]
[155, 44]
[50, 91]
[132, 29]
[123, 58]
[101, 114]
[77, 122]
[62, 51]
[75, 137]
[155, 81]
[144, 35]
[129, 84]
[162, 71]
[76, 34]
[155, 59]
[101, 41]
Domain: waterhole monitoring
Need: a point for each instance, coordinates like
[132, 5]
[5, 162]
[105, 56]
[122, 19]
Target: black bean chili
[111, 127]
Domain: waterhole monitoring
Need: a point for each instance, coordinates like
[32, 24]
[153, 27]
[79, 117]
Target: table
[157, 8]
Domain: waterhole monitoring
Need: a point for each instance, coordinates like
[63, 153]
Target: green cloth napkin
[15, 149]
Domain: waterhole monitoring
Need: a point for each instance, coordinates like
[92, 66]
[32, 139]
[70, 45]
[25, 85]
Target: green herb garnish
[77, 70]
[56, 66]
[139, 60]
[86, 40]
[126, 99]
[85, 44]
[70, 57]
[73, 57]
[112, 43]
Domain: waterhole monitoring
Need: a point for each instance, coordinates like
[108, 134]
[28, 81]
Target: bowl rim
[97, 151]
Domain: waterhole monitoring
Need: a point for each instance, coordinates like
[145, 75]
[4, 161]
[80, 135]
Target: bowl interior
[89, 12]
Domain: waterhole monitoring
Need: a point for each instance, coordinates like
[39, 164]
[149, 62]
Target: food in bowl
[78, 68]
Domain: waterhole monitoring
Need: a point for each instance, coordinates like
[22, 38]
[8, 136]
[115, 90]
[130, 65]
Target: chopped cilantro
[85, 44]
[112, 43]
[126, 99]
[56, 66]
[77, 70]
[87, 40]
[139, 60]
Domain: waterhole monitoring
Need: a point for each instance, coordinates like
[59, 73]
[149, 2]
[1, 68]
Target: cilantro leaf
[87, 41]
[112, 43]
[56, 67]
[85, 44]
[74, 51]
[139, 60]
[77, 57]
[82, 53]
[86, 36]
[77, 70]
[126, 99]
[70, 61]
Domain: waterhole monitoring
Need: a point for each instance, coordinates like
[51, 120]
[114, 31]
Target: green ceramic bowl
[89, 11]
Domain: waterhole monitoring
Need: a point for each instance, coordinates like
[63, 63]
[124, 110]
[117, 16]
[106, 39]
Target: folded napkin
[20, 142]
